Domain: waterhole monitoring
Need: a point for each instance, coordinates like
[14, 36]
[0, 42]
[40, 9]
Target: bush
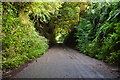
[99, 33]
[20, 42]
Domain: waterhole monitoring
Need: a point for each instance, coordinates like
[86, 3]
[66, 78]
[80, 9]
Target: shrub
[99, 33]
[20, 42]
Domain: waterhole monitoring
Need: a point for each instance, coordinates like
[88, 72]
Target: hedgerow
[20, 41]
[99, 33]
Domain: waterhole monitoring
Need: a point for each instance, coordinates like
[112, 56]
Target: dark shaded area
[71, 39]
[45, 29]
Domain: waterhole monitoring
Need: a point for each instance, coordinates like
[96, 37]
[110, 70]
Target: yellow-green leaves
[20, 42]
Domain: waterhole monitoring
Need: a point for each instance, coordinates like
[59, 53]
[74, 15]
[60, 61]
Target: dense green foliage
[0, 35]
[67, 17]
[43, 15]
[99, 33]
[20, 41]
[28, 28]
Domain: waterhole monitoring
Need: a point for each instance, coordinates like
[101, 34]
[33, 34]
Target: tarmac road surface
[63, 62]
